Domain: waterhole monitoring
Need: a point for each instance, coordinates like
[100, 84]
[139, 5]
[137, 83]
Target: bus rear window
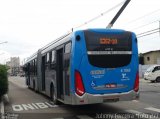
[109, 50]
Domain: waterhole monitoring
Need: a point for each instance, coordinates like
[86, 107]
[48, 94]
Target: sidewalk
[142, 80]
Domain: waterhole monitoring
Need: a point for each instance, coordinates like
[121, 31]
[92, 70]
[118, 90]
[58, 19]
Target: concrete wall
[158, 60]
[151, 58]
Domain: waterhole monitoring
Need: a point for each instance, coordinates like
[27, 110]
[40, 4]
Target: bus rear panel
[104, 66]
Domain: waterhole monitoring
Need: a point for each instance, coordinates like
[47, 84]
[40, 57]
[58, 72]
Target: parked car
[153, 73]
[21, 74]
[13, 74]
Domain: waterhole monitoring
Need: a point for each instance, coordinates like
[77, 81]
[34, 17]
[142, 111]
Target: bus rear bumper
[102, 98]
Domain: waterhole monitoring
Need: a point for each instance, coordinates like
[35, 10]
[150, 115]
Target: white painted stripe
[153, 109]
[84, 117]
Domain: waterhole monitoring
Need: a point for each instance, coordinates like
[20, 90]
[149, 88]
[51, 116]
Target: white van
[153, 73]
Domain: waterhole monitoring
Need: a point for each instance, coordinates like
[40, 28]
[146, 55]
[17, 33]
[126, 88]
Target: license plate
[111, 85]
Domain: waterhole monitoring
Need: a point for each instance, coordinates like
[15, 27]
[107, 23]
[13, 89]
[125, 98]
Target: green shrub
[3, 80]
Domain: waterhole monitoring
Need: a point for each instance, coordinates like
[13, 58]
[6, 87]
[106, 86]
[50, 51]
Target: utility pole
[118, 14]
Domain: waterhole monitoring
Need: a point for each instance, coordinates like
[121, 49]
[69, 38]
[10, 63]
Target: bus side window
[67, 55]
[53, 60]
[47, 58]
[31, 68]
[68, 48]
[47, 62]
[53, 56]
[35, 67]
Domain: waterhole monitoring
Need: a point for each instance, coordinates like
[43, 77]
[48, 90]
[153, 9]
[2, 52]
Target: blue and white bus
[87, 67]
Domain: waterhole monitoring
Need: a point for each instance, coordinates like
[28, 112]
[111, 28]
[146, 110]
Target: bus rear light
[136, 84]
[79, 87]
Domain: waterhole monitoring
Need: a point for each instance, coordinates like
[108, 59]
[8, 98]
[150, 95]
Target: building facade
[152, 57]
[14, 65]
[148, 59]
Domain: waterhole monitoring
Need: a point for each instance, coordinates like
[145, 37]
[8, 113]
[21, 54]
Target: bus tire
[53, 95]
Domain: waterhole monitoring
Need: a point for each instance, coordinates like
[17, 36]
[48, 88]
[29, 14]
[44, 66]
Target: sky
[28, 25]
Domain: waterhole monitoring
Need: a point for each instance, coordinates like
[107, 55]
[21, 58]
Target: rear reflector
[79, 87]
[136, 84]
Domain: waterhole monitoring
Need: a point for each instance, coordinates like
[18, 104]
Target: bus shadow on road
[91, 109]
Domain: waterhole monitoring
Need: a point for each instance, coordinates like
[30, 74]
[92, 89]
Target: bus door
[43, 73]
[66, 69]
[60, 92]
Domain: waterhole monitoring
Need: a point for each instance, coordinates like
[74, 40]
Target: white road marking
[153, 109]
[32, 106]
[84, 117]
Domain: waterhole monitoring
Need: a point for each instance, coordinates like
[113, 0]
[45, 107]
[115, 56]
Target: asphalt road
[27, 104]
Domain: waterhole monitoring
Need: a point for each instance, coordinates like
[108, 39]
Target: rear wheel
[158, 79]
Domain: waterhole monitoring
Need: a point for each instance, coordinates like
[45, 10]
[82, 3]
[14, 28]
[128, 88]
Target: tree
[3, 80]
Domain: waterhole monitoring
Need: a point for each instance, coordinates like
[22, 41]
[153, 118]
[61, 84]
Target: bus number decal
[97, 73]
[126, 70]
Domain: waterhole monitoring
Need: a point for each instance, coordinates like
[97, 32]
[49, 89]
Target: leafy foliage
[3, 80]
